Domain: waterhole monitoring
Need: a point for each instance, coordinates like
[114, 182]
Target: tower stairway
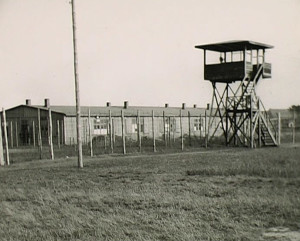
[244, 104]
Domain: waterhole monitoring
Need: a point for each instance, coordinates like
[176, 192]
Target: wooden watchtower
[234, 68]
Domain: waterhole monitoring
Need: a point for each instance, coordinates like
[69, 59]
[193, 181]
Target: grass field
[230, 194]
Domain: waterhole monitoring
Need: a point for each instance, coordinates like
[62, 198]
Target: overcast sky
[139, 50]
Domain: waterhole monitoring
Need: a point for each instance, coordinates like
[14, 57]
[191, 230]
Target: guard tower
[234, 68]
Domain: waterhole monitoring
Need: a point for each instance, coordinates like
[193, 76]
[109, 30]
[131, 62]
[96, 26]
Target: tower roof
[236, 45]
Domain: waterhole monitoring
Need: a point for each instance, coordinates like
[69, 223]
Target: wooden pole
[58, 134]
[33, 133]
[39, 133]
[153, 132]
[200, 126]
[123, 132]
[90, 134]
[64, 140]
[205, 129]
[169, 134]
[259, 125]
[190, 131]
[111, 133]
[279, 129]
[164, 123]
[5, 137]
[78, 117]
[181, 130]
[1, 145]
[17, 137]
[50, 134]
[251, 124]
[139, 131]
[294, 127]
[11, 135]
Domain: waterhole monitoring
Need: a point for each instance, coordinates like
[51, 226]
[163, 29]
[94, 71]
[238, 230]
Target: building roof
[33, 107]
[236, 45]
[129, 111]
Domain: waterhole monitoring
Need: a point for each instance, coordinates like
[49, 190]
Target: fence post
[123, 132]
[205, 129]
[58, 134]
[90, 134]
[50, 134]
[17, 138]
[5, 137]
[294, 127]
[11, 135]
[111, 133]
[165, 134]
[1, 145]
[181, 130]
[139, 131]
[153, 132]
[190, 131]
[169, 134]
[39, 133]
[33, 133]
[279, 129]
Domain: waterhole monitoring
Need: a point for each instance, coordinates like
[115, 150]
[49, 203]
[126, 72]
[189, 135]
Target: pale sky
[141, 51]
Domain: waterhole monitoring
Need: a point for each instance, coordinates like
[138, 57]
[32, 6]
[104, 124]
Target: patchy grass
[231, 194]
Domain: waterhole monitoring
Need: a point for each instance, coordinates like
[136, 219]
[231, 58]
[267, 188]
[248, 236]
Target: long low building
[23, 122]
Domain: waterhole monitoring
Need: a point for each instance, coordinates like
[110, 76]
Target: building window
[134, 126]
[100, 126]
[198, 124]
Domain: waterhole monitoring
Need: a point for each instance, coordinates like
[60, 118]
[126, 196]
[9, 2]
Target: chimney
[183, 106]
[28, 101]
[126, 104]
[166, 105]
[47, 103]
[195, 106]
[108, 104]
[207, 106]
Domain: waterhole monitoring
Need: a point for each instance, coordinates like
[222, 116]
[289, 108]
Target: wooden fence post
[90, 134]
[64, 140]
[294, 127]
[39, 133]
[5, 137]
[58, 134]
[169, 134]
[205, 129]
[11, 135]
[1, 145]
[111, 133]
[50, 134]
[153, 132]
[17, 137]
[33, 132]
[190, 131]
[279, 129]
[123, 132]
[181, 130]
[164, 123]
[139, 130]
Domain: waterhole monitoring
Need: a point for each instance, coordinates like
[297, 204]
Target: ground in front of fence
[225, 194]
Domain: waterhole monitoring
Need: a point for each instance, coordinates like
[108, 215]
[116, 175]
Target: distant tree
[295, 108]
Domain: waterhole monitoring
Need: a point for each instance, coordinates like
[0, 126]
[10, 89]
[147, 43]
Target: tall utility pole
[78, 124]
